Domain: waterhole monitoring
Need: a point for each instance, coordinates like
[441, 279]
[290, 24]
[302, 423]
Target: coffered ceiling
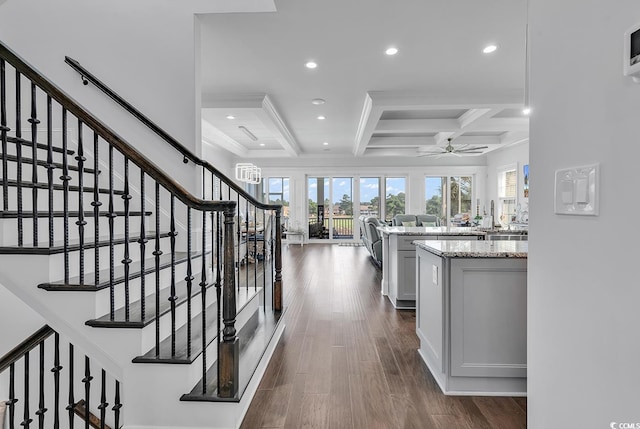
[257, 93]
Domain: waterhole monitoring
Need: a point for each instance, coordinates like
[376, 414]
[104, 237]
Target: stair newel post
[96, 203]
[189, 279]
[3, 133]
[81, 222]
[203, 298]
[65, 195]
[126, 261]
[117, 406]
[157, 253]
[50, 166]
[41, 407]
[143, 244]
[34, 121]
[27, 420]
[277, 285]
[219, 261]
[229, 349]
[87, 391]
[56, 381]
[173, 297]
[112, 262]
[72, 402]
[103, 399]
[19, 158]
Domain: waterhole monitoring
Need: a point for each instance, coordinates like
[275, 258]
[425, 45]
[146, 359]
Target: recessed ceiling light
[230, 117]
[489, 48]
[311, 65]
[526, 110]
[318, 101]
[261, 144]
[322, 118]
[391, 51]
[325, 144]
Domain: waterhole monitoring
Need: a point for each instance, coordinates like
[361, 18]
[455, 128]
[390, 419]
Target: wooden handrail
[111, 136]
[27, 345]
[87, 76]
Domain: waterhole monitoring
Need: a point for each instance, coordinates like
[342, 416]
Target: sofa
[415, 220]
[371, 237]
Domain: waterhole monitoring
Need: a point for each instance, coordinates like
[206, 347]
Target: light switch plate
[576, 190]
[434, 275]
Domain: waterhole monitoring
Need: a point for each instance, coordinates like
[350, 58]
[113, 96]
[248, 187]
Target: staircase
[177, 297]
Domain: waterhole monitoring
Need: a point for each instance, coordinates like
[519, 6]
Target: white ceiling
[439, 85]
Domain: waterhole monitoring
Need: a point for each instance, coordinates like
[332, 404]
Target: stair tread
[59, 187]
[135, 313]
[12, 214]
[253, 338]
[43, 163]
[243, 297]
[74, 245]
[26, 142]
[134, 272]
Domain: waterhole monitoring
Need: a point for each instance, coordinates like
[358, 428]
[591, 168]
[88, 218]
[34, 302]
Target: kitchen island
[399, 258]
[471, 315]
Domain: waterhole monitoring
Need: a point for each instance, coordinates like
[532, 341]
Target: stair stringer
[145, 407]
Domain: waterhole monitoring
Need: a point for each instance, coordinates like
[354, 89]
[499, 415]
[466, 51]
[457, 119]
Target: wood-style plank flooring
[348, 359]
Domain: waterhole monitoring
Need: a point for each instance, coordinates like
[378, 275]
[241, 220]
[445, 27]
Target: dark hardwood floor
[348, 359]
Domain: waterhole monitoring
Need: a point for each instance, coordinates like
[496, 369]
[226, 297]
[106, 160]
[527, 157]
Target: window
[435, 197]
[507, 191]
[394, 197]
[278, 193]
[370, 196]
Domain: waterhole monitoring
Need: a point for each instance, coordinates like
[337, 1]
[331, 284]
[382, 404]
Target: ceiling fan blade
[430, 154]
[470, 149]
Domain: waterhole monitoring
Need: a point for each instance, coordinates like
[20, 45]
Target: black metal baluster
[19, 159]
[248, 244]
[173, 296]
[157, 252]
[189, 279]
[143, 244]
[239, 263]
[50, 167]
[87, 391]
[56, 381]
[103, 400]
[12, 396]
[72, 401]
[3, 134]
[203, 295]
[41, 408]
[264, 256]
[117, 406]
[34, 121]
[27, 420]
[127, 260]
[65, 195]
[112, 261]
[96, 203]
[255, 246]
[81, 222]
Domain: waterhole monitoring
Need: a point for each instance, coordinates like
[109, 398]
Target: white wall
[18, 321]
[517, 156]
[584, 321]
[145, 50]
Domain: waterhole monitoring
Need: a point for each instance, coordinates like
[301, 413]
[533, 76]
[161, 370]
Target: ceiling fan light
[526, 111]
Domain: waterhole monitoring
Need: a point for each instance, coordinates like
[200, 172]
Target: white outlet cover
[576, 190]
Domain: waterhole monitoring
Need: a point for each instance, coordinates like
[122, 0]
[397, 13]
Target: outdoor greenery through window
[461, 204]
[435, 197]
[394, 197]
[278, 189]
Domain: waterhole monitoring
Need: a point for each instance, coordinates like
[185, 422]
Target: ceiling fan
[449, 149]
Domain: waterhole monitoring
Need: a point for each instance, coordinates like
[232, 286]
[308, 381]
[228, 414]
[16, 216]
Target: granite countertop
[475, 249]
[429, 230]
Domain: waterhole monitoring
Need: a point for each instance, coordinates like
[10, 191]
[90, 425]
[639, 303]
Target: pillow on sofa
[411, 223]
[429, 224]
